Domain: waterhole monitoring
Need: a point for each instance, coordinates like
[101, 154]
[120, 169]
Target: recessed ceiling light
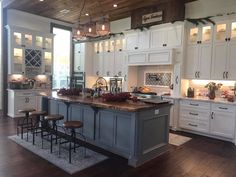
[41, 0]
[87, 14]
[115, 5]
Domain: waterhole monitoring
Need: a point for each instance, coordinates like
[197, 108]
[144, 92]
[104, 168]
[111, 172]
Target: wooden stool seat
[26, 110]
[73, 124]
[38, 113]
[54, 117]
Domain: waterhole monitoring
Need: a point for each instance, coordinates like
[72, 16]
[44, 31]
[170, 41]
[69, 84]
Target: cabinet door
[233, 30]
[105, 128]
[144, 39]
[132, 41]
[119, 63]
[122, 134]
[205, 61]
[17, 65]
[231, 71]
[193, 35]
[221, 32]
[89, 122]
[62, 109]
[108, 64]
[98, 64]
[158, 38]
[78, 58]
[47, 62]
[174, 36]
[223, 124]
[192, 61]
[219, 60]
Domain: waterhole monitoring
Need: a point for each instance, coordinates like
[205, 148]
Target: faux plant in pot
[212, 87]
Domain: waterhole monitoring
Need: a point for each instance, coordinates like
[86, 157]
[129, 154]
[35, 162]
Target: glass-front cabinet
[225, 31]
[30, 52]
[200, 34]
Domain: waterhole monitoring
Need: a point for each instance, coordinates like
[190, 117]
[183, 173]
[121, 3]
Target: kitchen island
[134, 130]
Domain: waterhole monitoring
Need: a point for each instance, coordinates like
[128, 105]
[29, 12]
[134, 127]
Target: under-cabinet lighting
[204, 82]
[115, 5]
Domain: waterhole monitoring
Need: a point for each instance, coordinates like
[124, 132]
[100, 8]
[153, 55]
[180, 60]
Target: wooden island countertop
[128, 105]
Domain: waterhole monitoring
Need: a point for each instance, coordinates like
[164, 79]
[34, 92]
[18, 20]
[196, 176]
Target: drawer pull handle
[193, 114]
[192, 125]
[223, 108]
[194, 104]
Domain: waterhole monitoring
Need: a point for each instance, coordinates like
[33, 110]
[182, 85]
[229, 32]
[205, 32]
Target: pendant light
[79, 32]
[90, 29]
[103, 27]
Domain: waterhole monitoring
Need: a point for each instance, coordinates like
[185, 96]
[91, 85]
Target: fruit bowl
[69, 92]
[119, 97]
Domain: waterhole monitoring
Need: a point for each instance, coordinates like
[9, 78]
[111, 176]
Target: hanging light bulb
[91, 30]
[103, 27]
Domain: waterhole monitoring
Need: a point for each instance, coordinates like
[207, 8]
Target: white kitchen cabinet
[18, 100]
[98, 59]
[224, 53]
[166, 37]
[78, 57]
[108, 64]
[29, 52]
[213, 119]
[157, 57]
[137, 40]
[194, 116]
[223, 121]
[199, 53]
[83, 58]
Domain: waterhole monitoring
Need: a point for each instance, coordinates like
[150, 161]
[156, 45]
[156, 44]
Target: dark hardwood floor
[200, 157]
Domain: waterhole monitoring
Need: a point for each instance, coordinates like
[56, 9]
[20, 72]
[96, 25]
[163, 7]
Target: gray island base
[136, 131]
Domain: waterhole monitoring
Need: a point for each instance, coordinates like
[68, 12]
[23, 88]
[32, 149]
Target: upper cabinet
[109, 57]
[199, 52]
[30, 52]
[137, 40]
[83, 54]
[157, 37]
[166, 37]
[224, 51]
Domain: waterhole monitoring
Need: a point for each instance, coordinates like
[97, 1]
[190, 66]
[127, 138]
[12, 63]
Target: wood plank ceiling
[95, 8]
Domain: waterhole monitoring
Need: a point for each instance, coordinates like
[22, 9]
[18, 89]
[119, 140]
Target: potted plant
[212, 87]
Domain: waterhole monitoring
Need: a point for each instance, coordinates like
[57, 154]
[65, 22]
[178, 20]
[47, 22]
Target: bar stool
[38, 122]
[51, 130]
[26, 122]
[71, 139]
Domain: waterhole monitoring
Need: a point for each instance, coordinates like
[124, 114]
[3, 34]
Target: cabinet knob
[97, 52]
[108, 51]
[78, 67]
[120, 50]
[78, 51]
[23, 72]
[22, 45]
[226, 39]
[97, 73]
[212, 115]
[229, 39]
[136, 48]
[224, 75]
[119, 73]
[227, 75]
[108, 73]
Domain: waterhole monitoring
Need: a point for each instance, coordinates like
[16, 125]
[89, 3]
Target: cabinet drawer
[136, 58]
[194, 125]
[223, 107]
[194, 114]
[24, 94]
[195, 104]
[164, 57]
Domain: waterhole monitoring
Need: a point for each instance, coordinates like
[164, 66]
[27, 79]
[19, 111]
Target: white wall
[120, 25]
[203, 8]
[30, 21]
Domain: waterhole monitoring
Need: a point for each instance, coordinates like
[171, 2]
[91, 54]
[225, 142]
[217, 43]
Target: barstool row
[47, 125]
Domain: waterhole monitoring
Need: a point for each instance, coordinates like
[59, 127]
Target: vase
[211, 94]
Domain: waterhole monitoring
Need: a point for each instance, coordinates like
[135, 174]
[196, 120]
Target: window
[62, 57]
